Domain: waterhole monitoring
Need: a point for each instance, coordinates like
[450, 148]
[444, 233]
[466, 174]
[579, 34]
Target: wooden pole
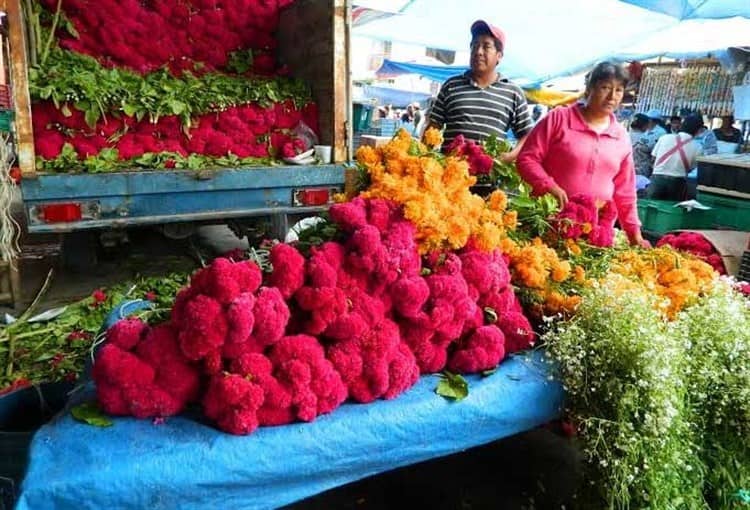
[19, 79]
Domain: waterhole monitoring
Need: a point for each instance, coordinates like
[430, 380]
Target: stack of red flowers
[585, 219]
[480, 163]
[199, 36]
[195, 35]
[695, 243]
[357, 319]
[241, 130]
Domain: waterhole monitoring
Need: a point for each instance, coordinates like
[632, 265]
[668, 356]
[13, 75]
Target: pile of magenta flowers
[107, 91]
[358, 318]
[194, 35]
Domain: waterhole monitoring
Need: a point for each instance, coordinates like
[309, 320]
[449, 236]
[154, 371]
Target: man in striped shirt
[480, 103]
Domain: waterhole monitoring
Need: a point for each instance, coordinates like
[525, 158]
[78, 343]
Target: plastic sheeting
[694, 9]
[547, 38]
[435, 73]
[692, 39]
[395, 97]
[185, 464]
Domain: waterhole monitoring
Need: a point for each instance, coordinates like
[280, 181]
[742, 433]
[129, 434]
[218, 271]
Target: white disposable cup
[323, 153]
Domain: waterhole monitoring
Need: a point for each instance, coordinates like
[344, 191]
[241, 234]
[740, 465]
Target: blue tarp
[548, 38]
[396, 97]
[435, 73]
[186, 464]
[696, 9]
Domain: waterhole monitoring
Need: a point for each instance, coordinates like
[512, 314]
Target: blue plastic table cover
[184, 463]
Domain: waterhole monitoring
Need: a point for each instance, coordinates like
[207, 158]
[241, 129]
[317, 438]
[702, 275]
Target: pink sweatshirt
[562, 149]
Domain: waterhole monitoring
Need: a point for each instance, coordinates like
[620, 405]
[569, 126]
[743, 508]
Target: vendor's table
[183, 463]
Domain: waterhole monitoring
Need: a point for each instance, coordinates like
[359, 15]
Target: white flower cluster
[654, 401]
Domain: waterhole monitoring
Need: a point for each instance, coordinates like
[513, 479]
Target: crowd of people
[665, 154]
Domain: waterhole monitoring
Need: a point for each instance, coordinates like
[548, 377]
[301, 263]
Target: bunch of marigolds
[434, 191]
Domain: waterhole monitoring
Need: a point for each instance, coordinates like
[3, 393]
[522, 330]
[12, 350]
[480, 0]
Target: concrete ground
[536, 469]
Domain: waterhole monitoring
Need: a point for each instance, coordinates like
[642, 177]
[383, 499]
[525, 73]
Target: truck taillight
[64, 212]
[56, 213]
[313, 196]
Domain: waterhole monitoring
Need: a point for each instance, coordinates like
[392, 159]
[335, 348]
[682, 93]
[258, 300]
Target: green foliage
[452, 386]
[89, 413]
[323, 231]
[533, 212]
[240, 61]
[73, 80]
[107, 161]
[502, 175]
[55, 349]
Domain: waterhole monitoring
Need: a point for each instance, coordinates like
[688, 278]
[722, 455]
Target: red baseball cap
[482, 26]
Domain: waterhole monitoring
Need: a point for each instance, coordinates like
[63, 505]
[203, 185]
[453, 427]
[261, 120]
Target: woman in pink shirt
[581, 149]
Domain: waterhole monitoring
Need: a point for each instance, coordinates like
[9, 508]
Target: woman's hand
[559, 194]
[637, 240]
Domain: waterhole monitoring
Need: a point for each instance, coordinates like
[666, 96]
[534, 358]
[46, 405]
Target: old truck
[313, 41]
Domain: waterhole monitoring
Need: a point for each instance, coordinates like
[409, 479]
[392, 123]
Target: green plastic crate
[727, 212]
[362, 114]
[6, 120]
[661, 216]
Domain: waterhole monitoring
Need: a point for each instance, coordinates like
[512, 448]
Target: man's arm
[510, 157]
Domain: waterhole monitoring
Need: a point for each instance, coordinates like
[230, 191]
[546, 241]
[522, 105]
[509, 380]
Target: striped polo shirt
[466, 109]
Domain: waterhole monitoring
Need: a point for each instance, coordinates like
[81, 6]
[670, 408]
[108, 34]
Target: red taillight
[57, 213]
[310, 197]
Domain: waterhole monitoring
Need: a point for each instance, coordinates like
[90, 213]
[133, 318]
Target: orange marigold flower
[510, 219]
[498, 200]
[579, 274]
[433, 137]
[367, 156]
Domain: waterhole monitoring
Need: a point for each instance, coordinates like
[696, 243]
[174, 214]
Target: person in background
[674, 123]
[417, 113]
[727, 132]
[582, 149]
[656, 128]
[480, 103]
[674, 156]
[707, 141]
[407, 116]
[641, 149]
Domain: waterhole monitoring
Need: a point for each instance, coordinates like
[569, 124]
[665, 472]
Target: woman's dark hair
[604, 71]
[692, 124]
[640, 122]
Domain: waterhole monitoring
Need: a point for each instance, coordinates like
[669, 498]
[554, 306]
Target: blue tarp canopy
[547, 38]
[396, 97]
[696, 9]
[435, 73]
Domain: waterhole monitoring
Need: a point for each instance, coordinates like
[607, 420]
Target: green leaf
[89, 413]
[452, 386]
[92, 116]
[129, 109]
[177, 107]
